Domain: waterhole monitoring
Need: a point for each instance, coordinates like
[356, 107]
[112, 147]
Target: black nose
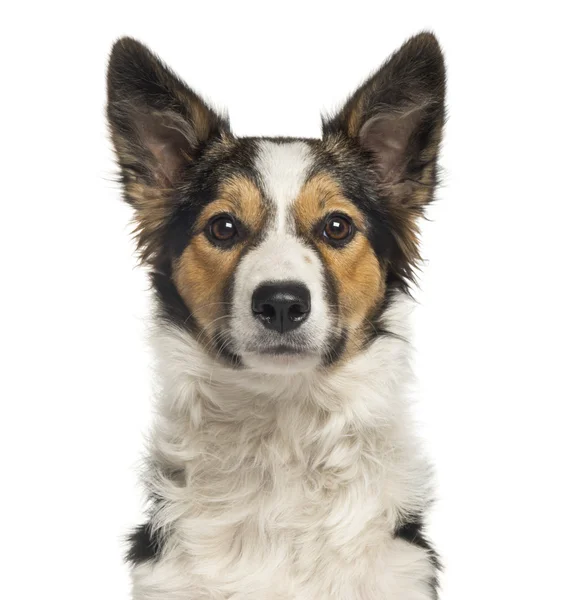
[281, 306]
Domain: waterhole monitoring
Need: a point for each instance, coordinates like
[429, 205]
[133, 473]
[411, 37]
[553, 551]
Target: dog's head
[278, 253]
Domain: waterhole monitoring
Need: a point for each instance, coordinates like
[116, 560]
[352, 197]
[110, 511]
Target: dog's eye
[222, 229]
[338, 229]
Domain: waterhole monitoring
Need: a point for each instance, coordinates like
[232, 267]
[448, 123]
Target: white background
[492, 327]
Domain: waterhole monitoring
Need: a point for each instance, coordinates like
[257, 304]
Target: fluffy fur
[281, 466]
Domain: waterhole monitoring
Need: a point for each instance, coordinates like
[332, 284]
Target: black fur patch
[335, 350]
[172, 307]
[413, 532]
[145, 544]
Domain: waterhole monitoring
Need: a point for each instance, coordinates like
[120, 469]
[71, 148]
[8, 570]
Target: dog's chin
[281, 360]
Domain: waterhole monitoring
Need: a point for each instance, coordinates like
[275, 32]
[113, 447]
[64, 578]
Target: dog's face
[279, 267]
[278, 253]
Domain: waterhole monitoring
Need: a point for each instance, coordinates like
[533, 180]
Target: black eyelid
[341, 215]
[320, 225]
[220, 216]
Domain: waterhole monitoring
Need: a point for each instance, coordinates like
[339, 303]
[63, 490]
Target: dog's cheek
[202, 275]
[360, 285]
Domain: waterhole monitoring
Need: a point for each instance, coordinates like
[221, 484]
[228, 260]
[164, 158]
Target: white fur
[283, 168]
[285, 488]
[281, 256]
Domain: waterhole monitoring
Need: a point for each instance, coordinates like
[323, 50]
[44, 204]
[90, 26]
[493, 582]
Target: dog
[282, 463]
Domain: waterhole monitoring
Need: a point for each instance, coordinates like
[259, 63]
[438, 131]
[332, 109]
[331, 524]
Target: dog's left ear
[157, 122]
[397, 116]
[159, 126]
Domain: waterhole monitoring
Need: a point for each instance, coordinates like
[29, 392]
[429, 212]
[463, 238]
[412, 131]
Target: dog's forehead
[282, 168]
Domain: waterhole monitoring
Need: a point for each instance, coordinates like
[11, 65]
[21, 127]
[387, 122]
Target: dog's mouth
[281, 350]
[265, 352]
[280, 357]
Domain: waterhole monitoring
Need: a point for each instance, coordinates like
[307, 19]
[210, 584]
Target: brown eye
[338, 229]
[222, 229]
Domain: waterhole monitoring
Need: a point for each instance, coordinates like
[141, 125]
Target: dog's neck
[222, 432]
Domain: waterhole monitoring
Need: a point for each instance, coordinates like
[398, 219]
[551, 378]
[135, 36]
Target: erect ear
[397, 116]
[158, 125]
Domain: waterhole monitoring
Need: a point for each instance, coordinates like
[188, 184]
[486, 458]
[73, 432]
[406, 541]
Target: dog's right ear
[158, 126]
[397, 116]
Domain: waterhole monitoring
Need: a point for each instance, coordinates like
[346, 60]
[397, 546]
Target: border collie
[282, 464]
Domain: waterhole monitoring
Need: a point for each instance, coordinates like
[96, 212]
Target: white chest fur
[288, 488]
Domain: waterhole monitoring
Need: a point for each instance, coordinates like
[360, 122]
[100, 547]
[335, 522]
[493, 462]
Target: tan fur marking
[319, 196]
[200, 276]
[358, 277]
[151, 213]
[355, 119]
[238, 196]
[202, 272]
